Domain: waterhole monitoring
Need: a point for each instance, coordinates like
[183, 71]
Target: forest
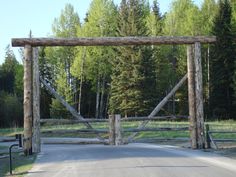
[129, 80]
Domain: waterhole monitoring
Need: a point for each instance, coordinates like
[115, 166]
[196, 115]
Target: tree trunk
[81, 80]
[97, 98]
[102, 98]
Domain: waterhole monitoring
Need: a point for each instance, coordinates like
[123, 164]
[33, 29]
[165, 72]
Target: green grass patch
[10, 131]
[21, 165]
[229, 125]
[216, 126]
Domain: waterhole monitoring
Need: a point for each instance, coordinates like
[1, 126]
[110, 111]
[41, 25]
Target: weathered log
[28, 100]
[62, 101]
[71, 121]
[112, 129]
[68, 107]
[222, 131]
[154, 140]
[156, 118]
[156, 129]
[111, 41]
[159, 106]
[118, 137]
[191, 97]
[91, 131]
[199, 96]
[93, 120]
[36, 103]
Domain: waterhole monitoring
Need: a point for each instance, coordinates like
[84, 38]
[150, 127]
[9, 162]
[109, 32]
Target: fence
[115, 130]
[210, 140]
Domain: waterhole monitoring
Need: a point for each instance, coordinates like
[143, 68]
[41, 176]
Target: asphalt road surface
[133, 160]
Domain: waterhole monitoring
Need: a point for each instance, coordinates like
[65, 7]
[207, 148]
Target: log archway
[194, 75]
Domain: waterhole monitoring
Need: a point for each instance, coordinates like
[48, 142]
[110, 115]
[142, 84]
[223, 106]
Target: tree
[8, 68]
[183, 19]
[62, 57]
[95, 63]
[11, 91]
[221, 67]
[132, 77]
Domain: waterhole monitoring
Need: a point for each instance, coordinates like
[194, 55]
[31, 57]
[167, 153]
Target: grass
[21, 165]
[215, 125]
[10, 131]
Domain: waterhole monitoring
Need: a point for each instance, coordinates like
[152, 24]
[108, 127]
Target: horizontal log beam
[221, 131]
[154, 118]
[74, 121]
[93, 131]
[155, 129]
[68, 121]
[124, 130]
[154, 140]
[111, 41]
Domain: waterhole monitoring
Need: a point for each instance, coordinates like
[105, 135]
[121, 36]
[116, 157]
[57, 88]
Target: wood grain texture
[118, 136]
[191, 96]
[112, 129]
[111, 41]
[28, 117]
[36, 103]
[199, 96]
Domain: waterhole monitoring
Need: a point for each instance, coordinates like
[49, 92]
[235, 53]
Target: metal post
[10, 158]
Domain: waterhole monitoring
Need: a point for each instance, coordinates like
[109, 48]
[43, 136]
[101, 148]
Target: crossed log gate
[32, 94]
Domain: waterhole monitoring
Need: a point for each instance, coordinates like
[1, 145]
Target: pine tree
[132, 78]
[221, 64]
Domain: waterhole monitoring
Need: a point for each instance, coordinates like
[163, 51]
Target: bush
[11, 110]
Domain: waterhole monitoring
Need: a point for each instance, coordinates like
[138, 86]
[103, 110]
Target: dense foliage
[129, 80]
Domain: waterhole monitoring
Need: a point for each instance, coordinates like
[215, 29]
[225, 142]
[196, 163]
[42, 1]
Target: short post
[208, 139]
[112, 129]
[199, 96]
[28, 117]
[118, 138]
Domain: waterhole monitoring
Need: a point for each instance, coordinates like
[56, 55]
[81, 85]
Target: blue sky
[18, 17]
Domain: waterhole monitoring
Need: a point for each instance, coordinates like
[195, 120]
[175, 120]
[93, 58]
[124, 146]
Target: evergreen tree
[7, 78]
[132, 78]
[221, 64]
[11, 91]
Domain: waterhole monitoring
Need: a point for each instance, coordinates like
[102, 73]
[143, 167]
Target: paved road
[133, 160]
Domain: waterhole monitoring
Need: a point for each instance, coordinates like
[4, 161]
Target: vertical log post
[191, 97]
[208, 139]
[118, 138]
[199, 95]
[112, 129]
[28, 100]
[36, 103]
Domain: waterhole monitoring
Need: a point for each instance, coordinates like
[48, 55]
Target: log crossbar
[111, 41]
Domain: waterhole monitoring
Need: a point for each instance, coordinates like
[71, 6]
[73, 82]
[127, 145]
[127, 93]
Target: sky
[18, 17]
